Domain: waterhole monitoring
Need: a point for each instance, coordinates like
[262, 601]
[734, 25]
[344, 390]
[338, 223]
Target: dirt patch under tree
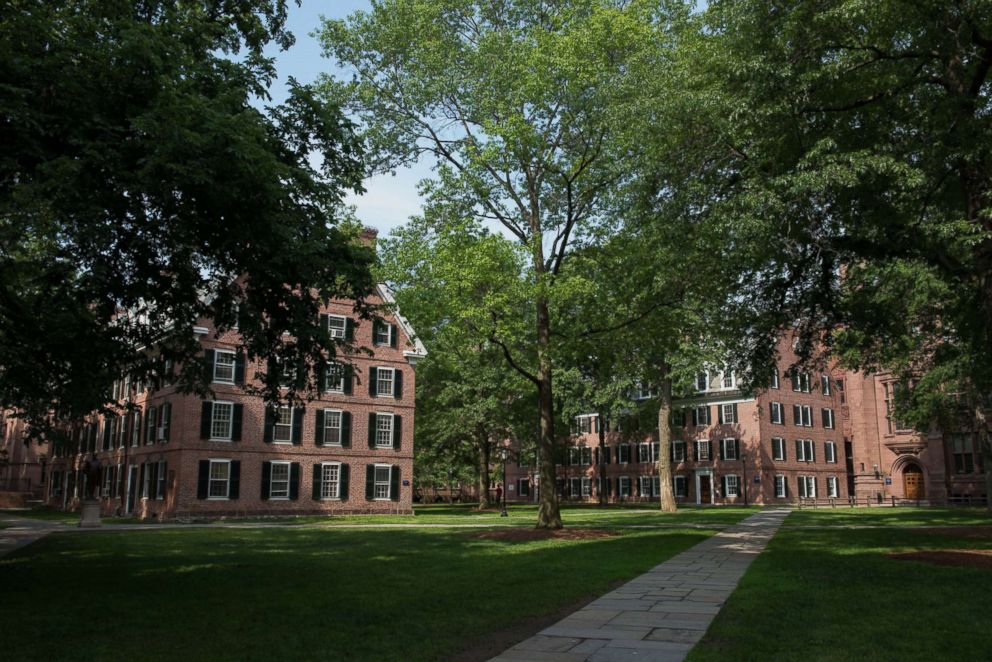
[961, 558]
[527, 535]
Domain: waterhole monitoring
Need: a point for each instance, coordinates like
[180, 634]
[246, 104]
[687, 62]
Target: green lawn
[889, 517]
[47, 514]
[831, 594]
[299, 592]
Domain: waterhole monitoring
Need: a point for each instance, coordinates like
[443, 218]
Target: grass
[831, 594]
[526, 515]
[889, 517]
[299, 593]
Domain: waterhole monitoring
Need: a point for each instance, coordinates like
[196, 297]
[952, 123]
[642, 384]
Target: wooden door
[704, 490]
[912, 482]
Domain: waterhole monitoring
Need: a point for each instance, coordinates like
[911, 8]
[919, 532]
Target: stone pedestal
[90, 509]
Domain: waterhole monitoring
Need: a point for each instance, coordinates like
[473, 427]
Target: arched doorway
[912, 481]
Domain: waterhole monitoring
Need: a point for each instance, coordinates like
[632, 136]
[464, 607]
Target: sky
[389, 200]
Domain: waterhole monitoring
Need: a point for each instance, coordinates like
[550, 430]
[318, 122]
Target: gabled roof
[418, 351]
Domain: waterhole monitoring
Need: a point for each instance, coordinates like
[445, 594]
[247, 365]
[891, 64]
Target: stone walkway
[664, 612]
[21, 531]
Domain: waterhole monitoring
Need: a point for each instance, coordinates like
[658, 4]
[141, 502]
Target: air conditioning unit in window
[161, 433]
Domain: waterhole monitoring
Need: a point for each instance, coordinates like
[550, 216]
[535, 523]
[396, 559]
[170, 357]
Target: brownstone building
[176, 455]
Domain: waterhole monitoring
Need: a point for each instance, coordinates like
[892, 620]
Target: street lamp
[744, 468]
[503, 453]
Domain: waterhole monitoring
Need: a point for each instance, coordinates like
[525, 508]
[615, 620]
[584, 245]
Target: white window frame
[832, 487]
[780, 489]
[233, 365]
[211, 480]
[805, 482]
[575, 487]
[705, 374]
[105, 488]
[704, 444]
[778, 452]
[728, 414]
[734, 491]
[624, 488]
[160, 481]
[732, 447]
[586, 486]
[328, 416]
[825, 383]
[334, 370]
[830, 452]
[213, 421]
[380, 430]
[273, 496]
[278, 425]
[830, 412]
[780, 408]
[723, 380]
[805, 416]
[622, 450]
[389, 334]
[808, 451]
[333, 331]
[641, 482]
[377, 483]
[699, 419]
[327, 494]
[389, 392]
[645, 452]
[678, 450]
[775, 382]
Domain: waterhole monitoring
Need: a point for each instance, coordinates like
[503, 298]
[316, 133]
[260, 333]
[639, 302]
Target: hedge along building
[178, 455]
[782, 444]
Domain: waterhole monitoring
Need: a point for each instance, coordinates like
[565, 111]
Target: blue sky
[389, 200]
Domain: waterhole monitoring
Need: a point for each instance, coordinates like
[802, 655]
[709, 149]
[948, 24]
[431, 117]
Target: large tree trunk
[665, 442]
[601, 427]
[982, 429]
[548, 513]
[483, 456]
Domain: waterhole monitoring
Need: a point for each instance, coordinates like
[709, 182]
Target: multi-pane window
[777, 413]
[287, 374]
[702, 450]
[337, 326]
[702, 381]
[586, 486]
[160, 482]
[382, 333]
[623, 453]
[805, 450]
[574, 457]
[802, 415]
[644, 453]
[962, 448]
[224, 367]
[774, 382]
[644, 486]
[832, 490]
[585, 455]
[732, 484]
[729, 448]
[383, 430]
[279, 480]
[801, 381]
[840, 389]
[332, 427]
[680, 486]
[587, 424]
[678, 451]
[381, 477]
[106, 481]
[828, 418]
[282, 431]
[330, 481]
[624, 486]
[643, 391]
[780, 487]
[728, 413]
[678, 418]
[150, 425]
[219, 483]
[384, 381]
[523, 487]
[727, 378]
[825, 384]
[703, 415]
[221, 421]
[334, 378]
[778, 448]
[807, 486]
[575, 487]
[830, 452]
[894, 424]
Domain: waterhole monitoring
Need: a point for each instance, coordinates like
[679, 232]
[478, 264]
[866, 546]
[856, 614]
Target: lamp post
[503, 453]
[450, 495]
[744, 468]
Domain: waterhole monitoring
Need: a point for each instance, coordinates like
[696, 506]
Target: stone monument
[90, 503]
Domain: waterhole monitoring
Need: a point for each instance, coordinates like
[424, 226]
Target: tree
[141, 190]
[518, 102]
[854, 143]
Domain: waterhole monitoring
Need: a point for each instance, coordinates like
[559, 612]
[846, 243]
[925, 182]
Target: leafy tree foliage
[140, 190]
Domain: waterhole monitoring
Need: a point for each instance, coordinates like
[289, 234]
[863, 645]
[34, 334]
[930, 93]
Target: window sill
[218, 498]
[221, 381]
[220, 440]
[280, 498]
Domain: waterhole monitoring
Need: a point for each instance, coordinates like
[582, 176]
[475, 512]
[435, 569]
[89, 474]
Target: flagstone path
[661, 614]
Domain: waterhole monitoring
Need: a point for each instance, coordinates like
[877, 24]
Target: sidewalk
[21, 531]
[664, 612]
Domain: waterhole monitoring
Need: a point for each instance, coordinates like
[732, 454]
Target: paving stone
[678, 635]
[543, 643]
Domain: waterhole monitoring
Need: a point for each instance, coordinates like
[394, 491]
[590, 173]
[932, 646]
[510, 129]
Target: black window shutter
[324, 322]
[266, 478]
[347, 379]
[153, 484]
[294, 481]
[298, 413]
[369, 481]
[709, 445]
[719, 414]
[373, 379]
[349, 329]
[345, 482]
[206, 419]
[346, 429]
[797, 415]
[695, 418]
[771, 412]
[709, 415]
[397, 432]
[721, 450]
[736, 420]
[137, 427]
[270, 422]
[737, 448]
[318, 427]
[234, 490]
[606, 454]
[372, 418]
[165, 416]
[106, 433]
[393, 336]
[799, 449]
[149, 433]
[398, 383]
[394, 482]
[238, 415]
[823, 416]
[202, 478]
[632, 453]
[165, 481]
[595, 453]
[208, 364]
[321, 377]
[239, 369]
[318, 475]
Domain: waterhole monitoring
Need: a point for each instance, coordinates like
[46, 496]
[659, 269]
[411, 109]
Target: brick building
[782, 444]
[177, 455]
